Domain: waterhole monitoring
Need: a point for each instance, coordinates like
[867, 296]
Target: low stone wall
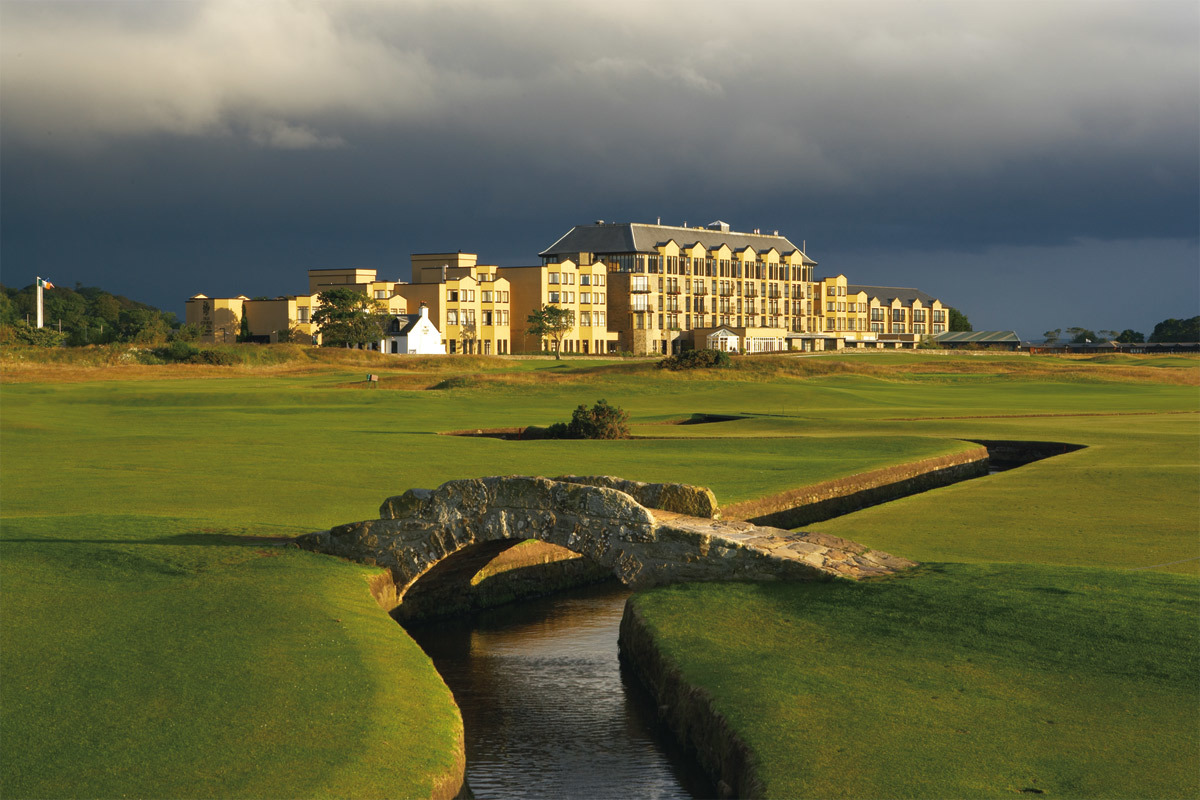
[689, 712]
[829, 499]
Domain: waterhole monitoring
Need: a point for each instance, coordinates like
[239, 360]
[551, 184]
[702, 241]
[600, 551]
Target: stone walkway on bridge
[648, 534]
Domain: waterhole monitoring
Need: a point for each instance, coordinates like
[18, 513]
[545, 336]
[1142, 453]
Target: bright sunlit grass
[150, 649]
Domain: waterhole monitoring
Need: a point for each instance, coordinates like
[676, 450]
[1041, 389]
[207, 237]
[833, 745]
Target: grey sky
[163, 149]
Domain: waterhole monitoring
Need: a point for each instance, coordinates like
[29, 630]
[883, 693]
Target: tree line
[1169, 330]
[80, 316]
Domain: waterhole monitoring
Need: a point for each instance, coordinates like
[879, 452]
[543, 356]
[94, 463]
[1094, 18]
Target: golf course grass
[157, 642]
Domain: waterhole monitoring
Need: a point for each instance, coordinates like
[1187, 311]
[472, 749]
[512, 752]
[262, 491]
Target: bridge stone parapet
[422, 529]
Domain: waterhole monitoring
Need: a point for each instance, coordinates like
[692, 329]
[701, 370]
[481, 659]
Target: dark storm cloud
[249, 141]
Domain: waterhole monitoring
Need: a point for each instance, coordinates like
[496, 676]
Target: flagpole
[39, 301]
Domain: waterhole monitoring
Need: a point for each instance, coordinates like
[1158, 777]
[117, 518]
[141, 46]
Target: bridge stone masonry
[647, 534]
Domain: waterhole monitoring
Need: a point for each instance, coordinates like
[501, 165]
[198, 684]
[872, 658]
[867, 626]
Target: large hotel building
[638, 288]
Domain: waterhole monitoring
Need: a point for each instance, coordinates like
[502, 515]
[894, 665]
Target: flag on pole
[44, 284]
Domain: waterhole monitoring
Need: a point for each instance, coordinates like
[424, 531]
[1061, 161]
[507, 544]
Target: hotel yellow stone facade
[638, 288]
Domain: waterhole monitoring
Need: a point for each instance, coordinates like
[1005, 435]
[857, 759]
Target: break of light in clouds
[917, 127]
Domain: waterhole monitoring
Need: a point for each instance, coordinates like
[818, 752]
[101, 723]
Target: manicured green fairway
[151, 649]
[956, 681]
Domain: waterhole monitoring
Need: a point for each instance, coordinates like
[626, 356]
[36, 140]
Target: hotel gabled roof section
[888, 293]
[630, 237]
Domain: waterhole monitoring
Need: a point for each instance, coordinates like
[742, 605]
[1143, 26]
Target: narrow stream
[547, 709]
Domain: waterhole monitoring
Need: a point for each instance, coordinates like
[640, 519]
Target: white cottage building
[413, 334]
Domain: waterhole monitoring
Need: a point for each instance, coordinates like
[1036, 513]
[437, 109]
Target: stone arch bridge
[646, 533]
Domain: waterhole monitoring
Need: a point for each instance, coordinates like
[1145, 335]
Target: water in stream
[546, 707]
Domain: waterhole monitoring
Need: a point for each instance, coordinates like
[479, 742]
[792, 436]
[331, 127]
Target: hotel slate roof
[630, 237]
[888, 293]
[980, 337]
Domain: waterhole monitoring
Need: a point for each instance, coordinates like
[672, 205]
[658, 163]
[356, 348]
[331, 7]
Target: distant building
[219, 318]
[412, 334]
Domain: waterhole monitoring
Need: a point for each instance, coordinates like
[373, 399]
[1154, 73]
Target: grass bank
[955, 681]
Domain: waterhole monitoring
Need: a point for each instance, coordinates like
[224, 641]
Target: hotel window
[877, 327]
[451, 317]
[452, 297]
[585, 319]
[831, 306]
[599, 280]
[503, 320]
[302, 314]
[486, 297]
[469, 317]
[877, 315]
[381, 294]
[469, 295]
[918, 315]
[504, 299]
[639, 283]
[832, 291]
[599, 316]
[552, 277]
[639, 302]
[939, 315]
[487, 317]
[553, 297]
[829, 324]
[569, 278]
[918, 328]
[897, 328]
[585, 297]
[897, 315]
[585, 280]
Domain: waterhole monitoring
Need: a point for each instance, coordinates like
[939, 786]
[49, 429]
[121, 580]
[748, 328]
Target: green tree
[1177, 330]
[1130, 336]
[1052, 337]
[552, 322]
[8, 310]
[601, 421]
[1081, 335]
[24, 333]
[188, 332]
[959, 321]
[105, 308]
[347, 318]
[142, 326]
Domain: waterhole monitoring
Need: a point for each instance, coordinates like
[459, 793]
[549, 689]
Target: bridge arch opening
[492, 573]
